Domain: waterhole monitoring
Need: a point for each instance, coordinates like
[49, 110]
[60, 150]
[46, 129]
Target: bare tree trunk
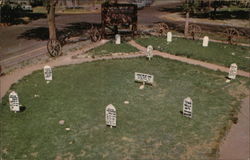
[51, 19]
[186, 24]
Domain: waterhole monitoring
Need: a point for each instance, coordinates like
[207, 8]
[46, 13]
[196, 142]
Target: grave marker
[187, 107]
[14, 102]
[169, 37]
[144, 78]
[47, 73]
[205, 41]
[117, 39]
[110, 116]
[232, 71]
[150, 52]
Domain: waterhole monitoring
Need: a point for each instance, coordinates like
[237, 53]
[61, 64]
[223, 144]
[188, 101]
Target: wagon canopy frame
[117, 16]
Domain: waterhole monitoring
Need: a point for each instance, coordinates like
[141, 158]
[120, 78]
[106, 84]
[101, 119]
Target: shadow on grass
[22, 108]
[224, 15]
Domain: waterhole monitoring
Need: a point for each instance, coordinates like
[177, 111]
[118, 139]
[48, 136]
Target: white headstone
[145, 78]
[169, 37]
[232, 71]
[14, 102]
[187, 107]
[117, 39]
[47, 73]
[110, 115]
[150, 52]
[205, 41]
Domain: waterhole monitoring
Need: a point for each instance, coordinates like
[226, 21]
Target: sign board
[150, 52]
[232, 71]
[110, 115]
[187, 107]
[205, 41]
[117, 39]
[47, 73]
[145, 78]
[14, 102]
[169, 37]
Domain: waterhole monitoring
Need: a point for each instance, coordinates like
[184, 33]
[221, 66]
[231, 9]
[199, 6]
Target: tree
[51, 7]
[189, 7]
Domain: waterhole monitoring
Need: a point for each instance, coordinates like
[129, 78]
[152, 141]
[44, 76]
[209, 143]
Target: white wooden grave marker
[187, 107]
[110, 116]
[150, 52]
[205, 41]
[14, 102]
[47, 73]
[232, 71]
[169, 37]
[117, 39]
[144, 78]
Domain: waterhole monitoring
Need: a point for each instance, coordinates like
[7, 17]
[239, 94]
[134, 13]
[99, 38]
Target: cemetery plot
[150, 126]
[217, 53]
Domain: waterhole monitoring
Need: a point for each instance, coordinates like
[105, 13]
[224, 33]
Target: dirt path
[189, 60]
[236, 144]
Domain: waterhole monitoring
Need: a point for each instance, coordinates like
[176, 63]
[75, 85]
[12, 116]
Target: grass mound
[149, 127]
[111, 47]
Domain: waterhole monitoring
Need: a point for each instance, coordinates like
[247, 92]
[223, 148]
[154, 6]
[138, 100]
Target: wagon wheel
[95, 34]
[142, 30]
[194, 30]
[161, 29]
[54, 48]
[232, 34]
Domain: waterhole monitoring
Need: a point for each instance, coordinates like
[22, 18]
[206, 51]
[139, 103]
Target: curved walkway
[190, 61]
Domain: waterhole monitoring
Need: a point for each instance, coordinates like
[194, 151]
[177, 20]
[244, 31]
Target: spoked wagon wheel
[232, 35]
[142, 30]
[194, 30]
[95, 34]
[161, 29]
[54, 48]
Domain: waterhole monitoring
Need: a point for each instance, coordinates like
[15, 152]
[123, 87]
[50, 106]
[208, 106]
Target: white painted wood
[187, 107]
[110, 115]
[14, 102]
[233, 71]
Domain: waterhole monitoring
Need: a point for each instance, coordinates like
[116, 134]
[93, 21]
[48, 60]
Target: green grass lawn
[222, 54]
[150, 127]
[111, 47]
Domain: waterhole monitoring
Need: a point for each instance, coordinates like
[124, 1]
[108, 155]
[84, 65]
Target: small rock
[228, 80]
[48, 82]
[70, 142]
[233, 54]
[36, 95]
[126, 102]
[141, 87]
[61, 122]
[67, 129]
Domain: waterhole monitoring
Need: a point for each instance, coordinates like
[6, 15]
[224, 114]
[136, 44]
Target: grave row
[169, 39]
[111, 115]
